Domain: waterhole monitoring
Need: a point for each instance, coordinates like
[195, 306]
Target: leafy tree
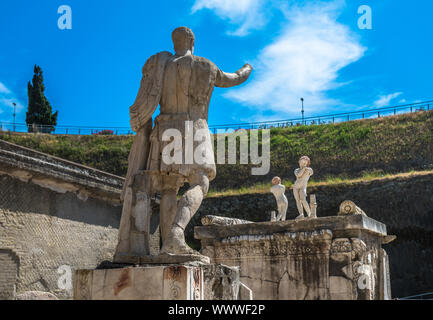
[39, 116]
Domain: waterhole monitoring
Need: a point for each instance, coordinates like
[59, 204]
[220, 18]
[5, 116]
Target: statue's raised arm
[227, 80]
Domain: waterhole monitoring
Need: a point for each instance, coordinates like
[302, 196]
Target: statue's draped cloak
[141, 112]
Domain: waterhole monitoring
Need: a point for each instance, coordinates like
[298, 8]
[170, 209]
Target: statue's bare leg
[279, 214]
[168, 204]
[168, 209]
[303, 196]
[284, 210]
[187, 207]
[298, 202]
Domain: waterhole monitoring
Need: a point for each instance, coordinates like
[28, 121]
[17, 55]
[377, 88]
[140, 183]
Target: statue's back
[188, 85]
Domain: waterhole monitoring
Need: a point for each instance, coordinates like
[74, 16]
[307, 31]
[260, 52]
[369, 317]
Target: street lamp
[15, 106]
[302, 111]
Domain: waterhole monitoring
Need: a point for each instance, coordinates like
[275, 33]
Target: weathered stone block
[175, 282]
[325, 258]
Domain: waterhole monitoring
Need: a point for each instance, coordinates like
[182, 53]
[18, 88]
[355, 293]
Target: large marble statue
[303, 174]
[278, 191]
[182, 85]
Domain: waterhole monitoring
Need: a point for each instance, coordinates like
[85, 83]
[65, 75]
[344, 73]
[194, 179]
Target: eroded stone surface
[221, 221]
[36, 295]
[348, 207]
[53, 213]
[58, 174]
[220, 282]
[163, 282]
[333, 258]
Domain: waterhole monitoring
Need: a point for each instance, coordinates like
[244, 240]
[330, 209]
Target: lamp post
[302, 111]
[15, 106]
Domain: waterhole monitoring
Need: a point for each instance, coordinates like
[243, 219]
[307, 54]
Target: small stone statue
[278, 190]
[303, 174]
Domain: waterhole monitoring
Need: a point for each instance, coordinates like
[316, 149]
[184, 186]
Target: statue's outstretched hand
[247, 65]
[227, 80]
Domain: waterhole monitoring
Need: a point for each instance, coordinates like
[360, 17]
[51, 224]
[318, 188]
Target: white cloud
[247, 14]
[3, 89]
[7, 98]
[304, 61]
[384, 100]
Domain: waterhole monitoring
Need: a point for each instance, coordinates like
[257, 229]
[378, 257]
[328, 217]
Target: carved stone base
[163, 258]
[329, 258]
[175, 282]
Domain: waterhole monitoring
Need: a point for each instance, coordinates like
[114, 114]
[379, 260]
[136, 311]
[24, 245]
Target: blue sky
[311, 49]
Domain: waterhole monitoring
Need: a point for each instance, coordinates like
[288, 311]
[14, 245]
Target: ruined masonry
[331, 258]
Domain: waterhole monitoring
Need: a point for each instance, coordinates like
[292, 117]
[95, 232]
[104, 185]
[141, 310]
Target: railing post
[394, 111]
[378, 114]
[333, 120]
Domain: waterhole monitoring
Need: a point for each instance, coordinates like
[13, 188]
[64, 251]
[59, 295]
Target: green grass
[328, 181]
[107, 153]
[339, 152]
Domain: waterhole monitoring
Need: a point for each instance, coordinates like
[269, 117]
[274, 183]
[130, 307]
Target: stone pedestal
[331, 258]
[163, 282]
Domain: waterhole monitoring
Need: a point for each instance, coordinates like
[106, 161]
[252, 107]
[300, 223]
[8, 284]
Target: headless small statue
[278, 191]
[303, 174]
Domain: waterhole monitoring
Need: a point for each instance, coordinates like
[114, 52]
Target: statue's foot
[175, 243]
[301, 216]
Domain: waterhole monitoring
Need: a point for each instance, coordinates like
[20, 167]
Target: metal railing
[316, 120]
[331, 118]
[64, 130]
[424, 296]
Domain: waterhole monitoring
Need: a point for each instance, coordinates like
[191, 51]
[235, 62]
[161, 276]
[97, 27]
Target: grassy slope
[107, 153]
[263, 188]
[346, 150]
[338, 151]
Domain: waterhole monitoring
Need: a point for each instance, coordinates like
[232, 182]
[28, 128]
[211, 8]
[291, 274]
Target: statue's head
[183, 40]
[304, 161]
[276, 180]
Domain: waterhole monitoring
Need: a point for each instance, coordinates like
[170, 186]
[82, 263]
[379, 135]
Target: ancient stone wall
[48, 230]
[9, 264]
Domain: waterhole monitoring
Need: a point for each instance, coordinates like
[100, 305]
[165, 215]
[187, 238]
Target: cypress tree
[39, 110]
